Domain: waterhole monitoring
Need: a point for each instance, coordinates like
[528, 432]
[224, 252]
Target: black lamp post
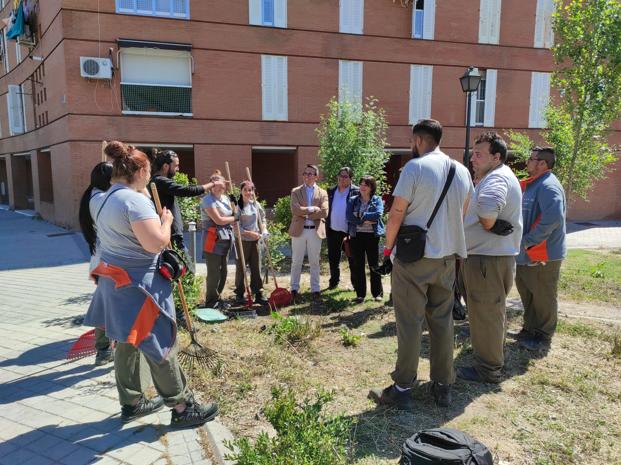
[469, 83]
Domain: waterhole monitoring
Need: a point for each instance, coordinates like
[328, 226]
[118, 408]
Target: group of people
[490, 226]
[501, 230]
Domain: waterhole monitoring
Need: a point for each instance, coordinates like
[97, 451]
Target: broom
[195, 352]
[280, 297]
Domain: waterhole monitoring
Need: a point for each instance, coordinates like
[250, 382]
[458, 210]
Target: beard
[170, 174]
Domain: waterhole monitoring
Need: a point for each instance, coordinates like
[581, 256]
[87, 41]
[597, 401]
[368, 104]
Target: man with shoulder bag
[426, 225]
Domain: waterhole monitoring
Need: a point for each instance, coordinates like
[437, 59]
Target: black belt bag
[411, 239]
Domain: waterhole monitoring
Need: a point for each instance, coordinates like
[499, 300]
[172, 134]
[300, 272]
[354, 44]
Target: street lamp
[469, 83]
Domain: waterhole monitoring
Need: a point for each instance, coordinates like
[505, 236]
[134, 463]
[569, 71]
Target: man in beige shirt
[309, 208]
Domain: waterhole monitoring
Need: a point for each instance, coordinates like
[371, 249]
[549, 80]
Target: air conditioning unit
[96, 68]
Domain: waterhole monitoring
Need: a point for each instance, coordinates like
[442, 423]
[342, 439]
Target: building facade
[245, 81]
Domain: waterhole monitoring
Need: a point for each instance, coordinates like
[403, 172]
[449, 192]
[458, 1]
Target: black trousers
[335, 239]
[366, 245]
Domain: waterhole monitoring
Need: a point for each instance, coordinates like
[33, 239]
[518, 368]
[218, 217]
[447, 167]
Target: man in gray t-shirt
[493, 226]
[424, 289]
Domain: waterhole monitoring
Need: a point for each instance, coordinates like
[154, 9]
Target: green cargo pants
[424, 290]
[133, 372]
[488, 280]
[538, 288]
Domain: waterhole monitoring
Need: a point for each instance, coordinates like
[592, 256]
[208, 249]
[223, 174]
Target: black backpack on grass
[444, 446]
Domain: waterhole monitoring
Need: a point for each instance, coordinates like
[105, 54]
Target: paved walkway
[68, 413]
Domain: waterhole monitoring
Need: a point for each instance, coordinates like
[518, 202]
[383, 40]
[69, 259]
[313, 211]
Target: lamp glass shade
[470, 80]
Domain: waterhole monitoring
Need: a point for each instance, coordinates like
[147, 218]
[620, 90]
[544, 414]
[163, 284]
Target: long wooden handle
[238, 231]
[267, 246]
[184, 304]
[104, 157]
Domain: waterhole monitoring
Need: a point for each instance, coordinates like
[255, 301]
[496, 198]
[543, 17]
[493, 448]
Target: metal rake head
[196, 356]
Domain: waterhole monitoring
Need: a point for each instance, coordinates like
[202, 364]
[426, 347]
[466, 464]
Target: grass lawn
[592, 276]
[563, 407]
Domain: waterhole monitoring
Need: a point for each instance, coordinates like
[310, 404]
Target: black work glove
[385, 268]
[502, 228]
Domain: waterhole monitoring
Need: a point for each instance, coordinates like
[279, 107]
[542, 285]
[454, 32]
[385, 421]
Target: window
[421, 77]
[544, 35]
[351, 16]
[483, 101]
[423, 19]
[15, 105]
[166, 8]
[18, 53]
[156, 81]
[268, 13]
[489, 21]
[4, 51]
[539, 99]
[350, 82]
[274, 87]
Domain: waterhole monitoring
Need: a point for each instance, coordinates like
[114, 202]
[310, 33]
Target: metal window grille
[169, 8]
[145, 98]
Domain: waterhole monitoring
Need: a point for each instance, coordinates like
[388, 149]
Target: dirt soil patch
[563, 407]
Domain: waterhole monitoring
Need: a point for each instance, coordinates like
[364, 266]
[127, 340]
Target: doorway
[273, 172]
[4, 183]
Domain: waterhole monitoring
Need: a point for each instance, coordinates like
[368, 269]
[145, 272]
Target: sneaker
[519, 335]
[104, 356]
[143, 407]
[378, 298]
[259, 299]
[316, 297]
[535, 343]
[441, 394]
[222, 305]
[471, 374]
[295, 297]
[332, 286]
[359, 300]
[240, 299]
[392, 397]
[194, 414]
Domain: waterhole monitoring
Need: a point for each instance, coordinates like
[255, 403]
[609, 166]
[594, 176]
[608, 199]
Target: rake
[195, 353]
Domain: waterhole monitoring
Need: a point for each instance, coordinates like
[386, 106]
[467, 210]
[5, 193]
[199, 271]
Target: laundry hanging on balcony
[16, 22]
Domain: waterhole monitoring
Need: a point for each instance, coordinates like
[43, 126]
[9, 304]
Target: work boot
[535, 343]
[519, 335]
[104, 356]
[259, 299]
[441, 394]
[142, 408]
[194, 414]
[392, 397]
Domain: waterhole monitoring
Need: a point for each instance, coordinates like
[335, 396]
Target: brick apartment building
[247, 80]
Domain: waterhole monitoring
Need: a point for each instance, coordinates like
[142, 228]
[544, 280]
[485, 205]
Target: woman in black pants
[364, 217]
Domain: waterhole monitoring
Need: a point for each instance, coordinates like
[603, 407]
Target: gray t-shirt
[117, 240]
[421, 183]
[248, 219]
[222, 204]
[497, 196]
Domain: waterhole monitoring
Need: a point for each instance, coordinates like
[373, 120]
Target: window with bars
[156, 81]
[166, 8]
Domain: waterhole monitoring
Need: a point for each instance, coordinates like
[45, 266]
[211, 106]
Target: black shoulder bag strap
[105, 200]
[447, 184]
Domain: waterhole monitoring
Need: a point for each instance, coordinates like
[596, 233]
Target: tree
[587, 54]
[354, 136]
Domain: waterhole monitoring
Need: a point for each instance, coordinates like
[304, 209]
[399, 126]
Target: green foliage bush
[282, 212]
[293, 330]
[304, 435]
[191, 290]
[189, 206]
[348, 338]
[277, 240]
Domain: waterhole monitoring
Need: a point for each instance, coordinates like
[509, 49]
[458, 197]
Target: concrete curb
[217, 434]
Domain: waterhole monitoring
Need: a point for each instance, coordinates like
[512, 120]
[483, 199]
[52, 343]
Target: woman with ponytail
[100, 183]
[133, 301]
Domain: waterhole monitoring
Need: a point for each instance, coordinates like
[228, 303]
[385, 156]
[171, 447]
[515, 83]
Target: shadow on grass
[357, 319]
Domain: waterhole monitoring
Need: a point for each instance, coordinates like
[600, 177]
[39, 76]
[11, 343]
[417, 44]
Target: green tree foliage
[587, 55]
[189, 206]
[356, 137]
[304, 435]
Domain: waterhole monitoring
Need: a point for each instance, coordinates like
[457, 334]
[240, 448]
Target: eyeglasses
[306, 173]
[343, 176]
[533, 159]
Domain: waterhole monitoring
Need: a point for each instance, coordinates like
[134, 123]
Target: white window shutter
[494, 25]
[539, 99]
[357, 82]
[539, 23]
[344, 15]
[548, 32]
[281, 91]
[254, 12]
[484, 21]
[490, 97]
[351, 16]
[358, 16]
[267, 87]
[473, 108]
[350, 81]
[280, 13]
[16, 110]
[421, 78]
[429, 19]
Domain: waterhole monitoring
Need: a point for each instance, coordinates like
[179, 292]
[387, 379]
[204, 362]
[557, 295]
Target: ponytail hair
[100, 179]
[127, 160]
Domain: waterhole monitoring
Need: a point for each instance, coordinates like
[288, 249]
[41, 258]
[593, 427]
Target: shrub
[191, 290]
[282, 212]
[304, 435]
[276, 241]
[293, 330]
[348, 338]
[188, 206]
